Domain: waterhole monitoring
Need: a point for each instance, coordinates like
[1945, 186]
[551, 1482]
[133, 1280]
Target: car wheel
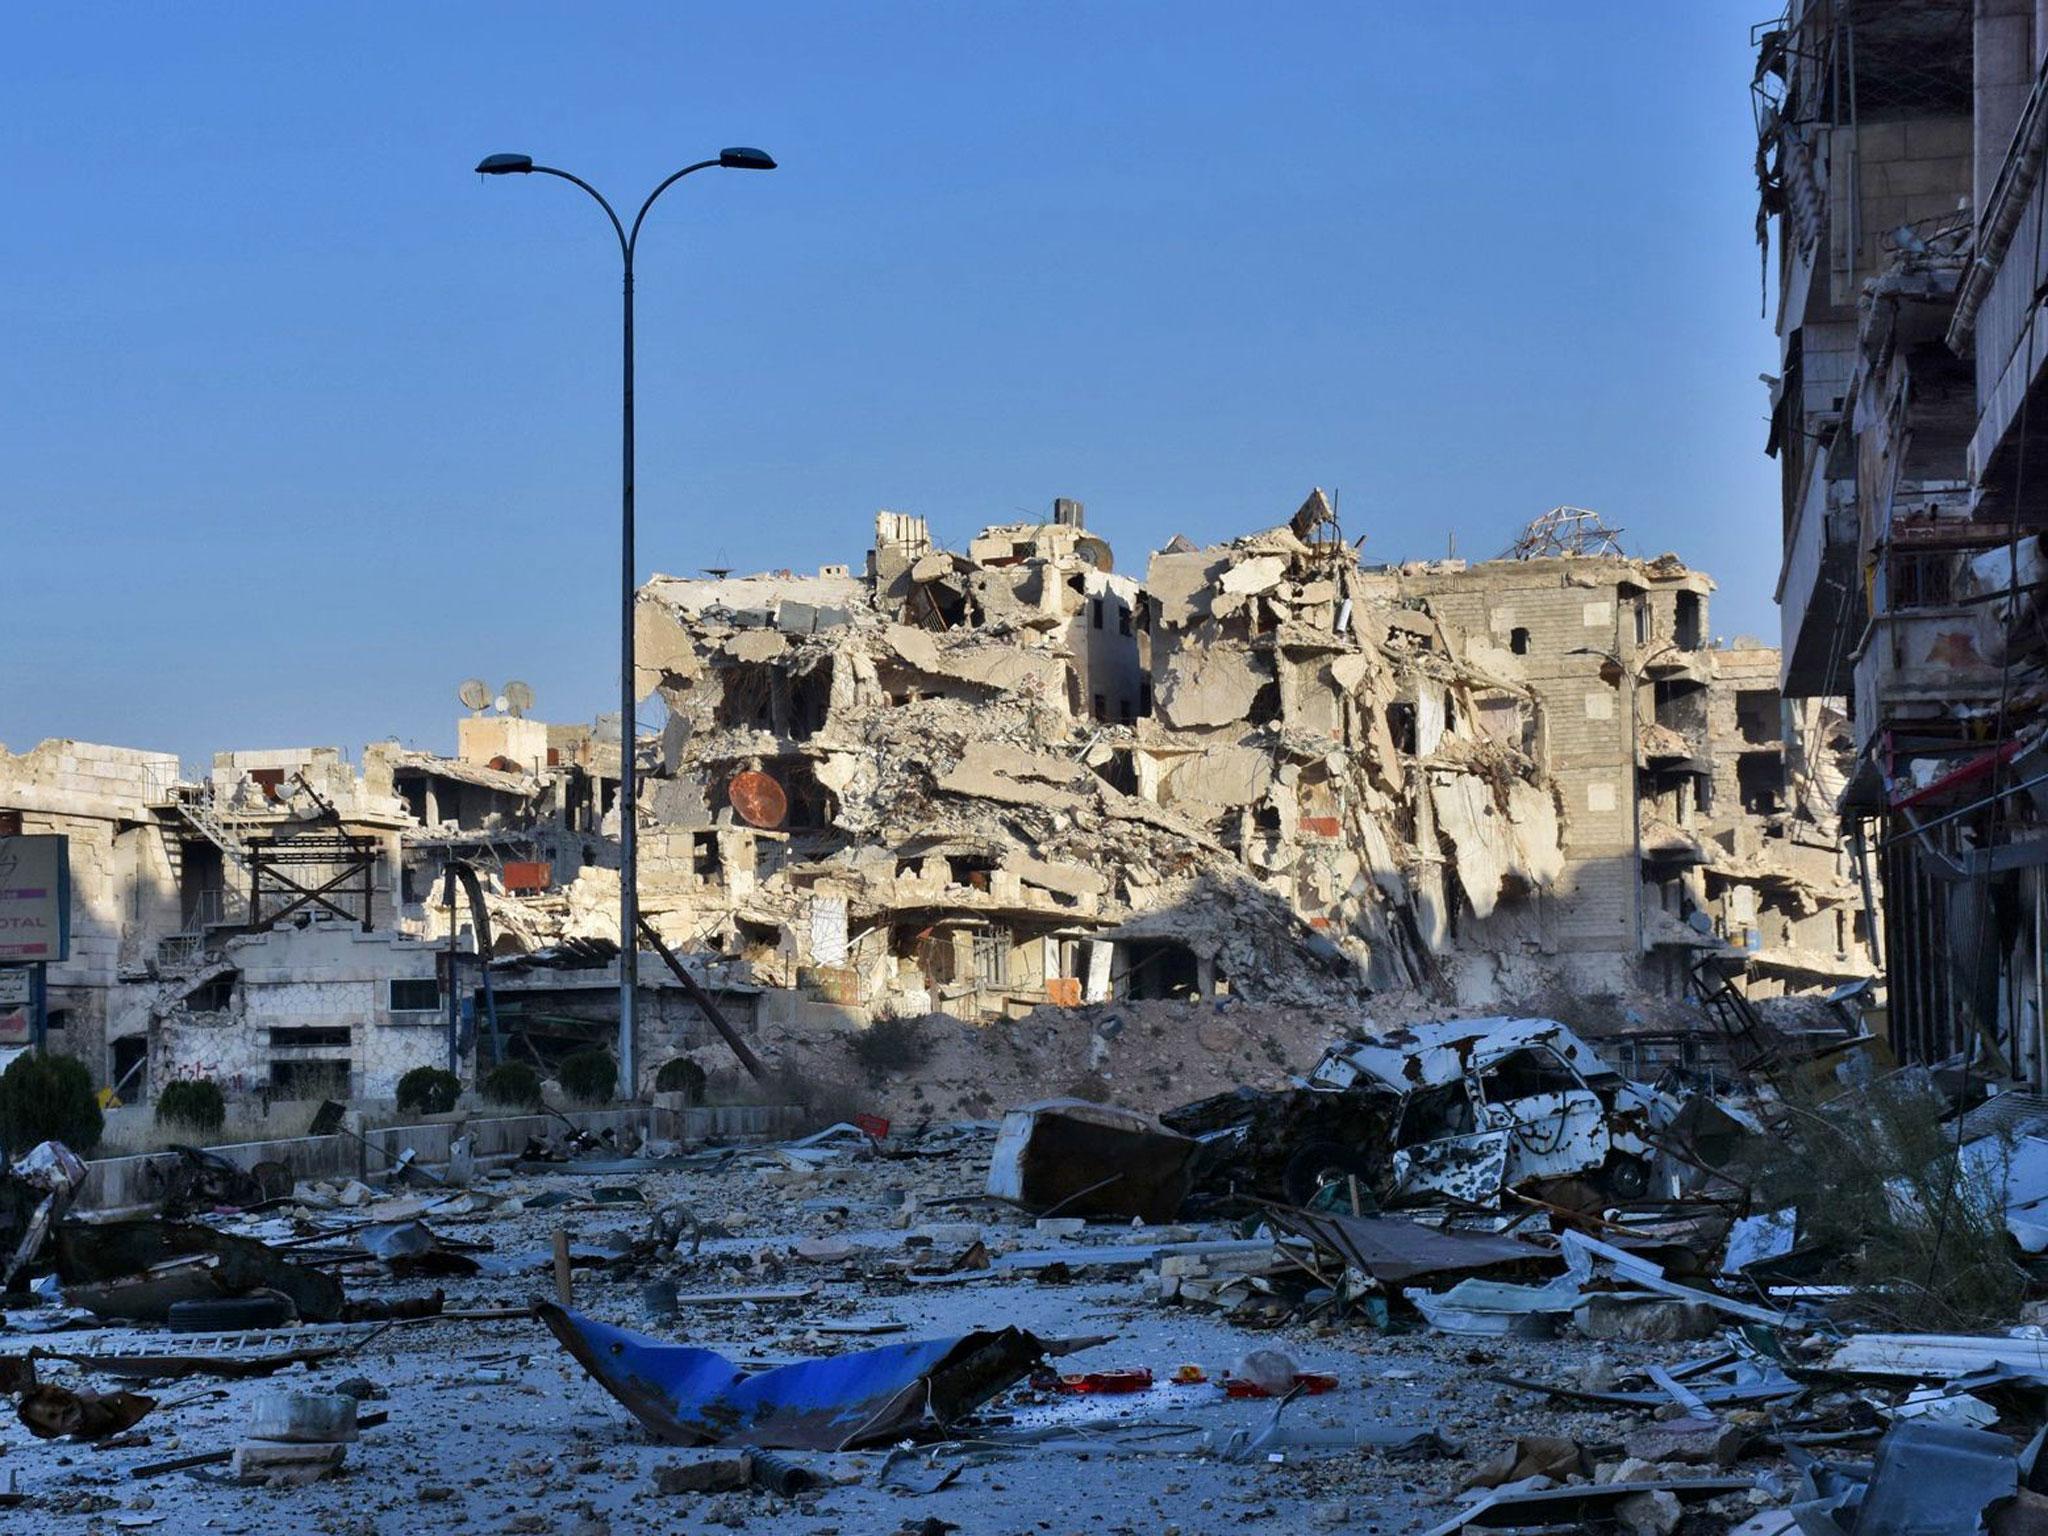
[1317, 1163]
[1625, 1177]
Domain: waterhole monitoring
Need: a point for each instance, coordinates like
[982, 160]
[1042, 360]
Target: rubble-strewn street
[822, 986]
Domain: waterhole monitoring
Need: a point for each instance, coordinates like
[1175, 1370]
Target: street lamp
[734, 159]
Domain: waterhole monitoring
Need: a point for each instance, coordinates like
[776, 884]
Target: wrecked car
[1458, 1110]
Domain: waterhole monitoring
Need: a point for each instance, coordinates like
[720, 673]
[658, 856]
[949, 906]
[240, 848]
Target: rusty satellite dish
[758, 798]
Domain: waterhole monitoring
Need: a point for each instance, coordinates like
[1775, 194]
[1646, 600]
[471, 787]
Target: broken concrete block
[1695, 1441]
[284, 1465]
[1645, 1322]
[304, 1418]
[355, 1193]
[711, 1474]
[947, 1234]
[1059, 1226]
[823, 1250]
[1654, 1512]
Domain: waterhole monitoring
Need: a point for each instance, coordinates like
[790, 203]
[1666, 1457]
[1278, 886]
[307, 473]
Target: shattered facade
[981, 784]
[1899, 164]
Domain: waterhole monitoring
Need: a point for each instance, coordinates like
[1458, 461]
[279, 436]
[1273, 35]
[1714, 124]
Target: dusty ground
[493, 1428]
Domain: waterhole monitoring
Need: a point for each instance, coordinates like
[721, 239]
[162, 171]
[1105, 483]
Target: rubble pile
[1458, 1276]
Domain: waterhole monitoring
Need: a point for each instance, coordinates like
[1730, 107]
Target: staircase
[1754, 1046]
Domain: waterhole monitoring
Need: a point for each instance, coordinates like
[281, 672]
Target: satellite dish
[518, 697]
[474, 693]
[759, 799]
[499, 704]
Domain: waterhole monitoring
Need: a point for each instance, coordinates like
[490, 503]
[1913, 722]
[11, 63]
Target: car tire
[230, 1314]
[1316, 1163]
[1625, 1177]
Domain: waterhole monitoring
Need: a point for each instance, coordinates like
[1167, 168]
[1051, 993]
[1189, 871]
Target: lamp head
[743, 159]
[504, 165]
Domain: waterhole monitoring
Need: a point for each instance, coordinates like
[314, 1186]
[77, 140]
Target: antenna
[474, 693]
[518, 698]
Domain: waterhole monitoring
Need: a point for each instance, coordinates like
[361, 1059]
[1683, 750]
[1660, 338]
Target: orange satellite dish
[759, 799]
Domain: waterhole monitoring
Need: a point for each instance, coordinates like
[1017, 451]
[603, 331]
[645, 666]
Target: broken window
[970, 869]
[1124, 712]
[309, 1034]
[1760, 777]
[1123, 619]
[1922, 578]
[1265, 705]
[1401, 726]
[810, 700]
[1756, 715]
[1642, 612]
[704, 855]
[1689, 622]
[1526, 1074]
[992, 958]
[748, 698]
[1097, 608]
[1518, 641]
[1431, 1114]
[269, 780]
[1144, 615]
[1144, 696]
[310, 1079]
[1101, 707]
[217, 996]
[414, 995]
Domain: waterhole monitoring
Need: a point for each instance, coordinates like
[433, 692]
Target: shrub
[429, 1091]
[513, 1084]
[589, 1076]
[48, 1098]
[1878, 1185]
[681, 1075]
[193, 1104]
[892, 1045]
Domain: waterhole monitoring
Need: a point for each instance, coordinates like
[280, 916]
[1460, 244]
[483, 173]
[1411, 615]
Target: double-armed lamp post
[629, 865]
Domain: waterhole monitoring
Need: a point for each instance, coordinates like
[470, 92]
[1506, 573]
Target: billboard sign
[17, 1004]
[35, 898]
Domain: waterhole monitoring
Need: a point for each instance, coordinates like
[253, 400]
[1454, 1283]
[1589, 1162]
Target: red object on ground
[874, 1125]
[1137, 1379]
[1315, 1383]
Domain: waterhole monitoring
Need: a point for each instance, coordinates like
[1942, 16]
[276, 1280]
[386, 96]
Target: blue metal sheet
[691, 1396]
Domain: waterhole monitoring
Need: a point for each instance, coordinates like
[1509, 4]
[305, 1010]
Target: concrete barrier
[117, 1184]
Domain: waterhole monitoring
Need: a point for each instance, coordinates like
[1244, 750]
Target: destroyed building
[1899, 164]
[985, 783]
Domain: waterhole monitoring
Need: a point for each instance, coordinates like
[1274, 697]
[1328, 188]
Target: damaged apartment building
[1900, 152]
[980, 783]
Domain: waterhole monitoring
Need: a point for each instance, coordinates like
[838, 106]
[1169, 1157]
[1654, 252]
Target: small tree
[192, 1104]
[48, 1098]
[513, 1084]
[589, 1076]
[429, 1091]
[681, 1075]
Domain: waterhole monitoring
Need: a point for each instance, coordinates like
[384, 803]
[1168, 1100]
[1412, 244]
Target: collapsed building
[985, 783]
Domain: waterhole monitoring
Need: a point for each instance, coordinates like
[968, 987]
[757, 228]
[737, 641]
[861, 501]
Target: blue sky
[301, 422]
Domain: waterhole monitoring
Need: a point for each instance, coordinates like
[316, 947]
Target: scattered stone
[712, 1474]
[1655, 1512]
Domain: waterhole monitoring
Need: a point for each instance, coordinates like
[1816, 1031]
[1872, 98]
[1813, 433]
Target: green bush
[589, 1076]
[192, 1104]
[429, 1091]
[513, 1084]
[48, 1098]
[681, 1075]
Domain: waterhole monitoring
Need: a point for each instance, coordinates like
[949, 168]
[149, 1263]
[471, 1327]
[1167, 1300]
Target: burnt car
[1457, 1111]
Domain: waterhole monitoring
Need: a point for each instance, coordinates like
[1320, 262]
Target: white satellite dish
[475, 693]
[518, 697]
[499, 704]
